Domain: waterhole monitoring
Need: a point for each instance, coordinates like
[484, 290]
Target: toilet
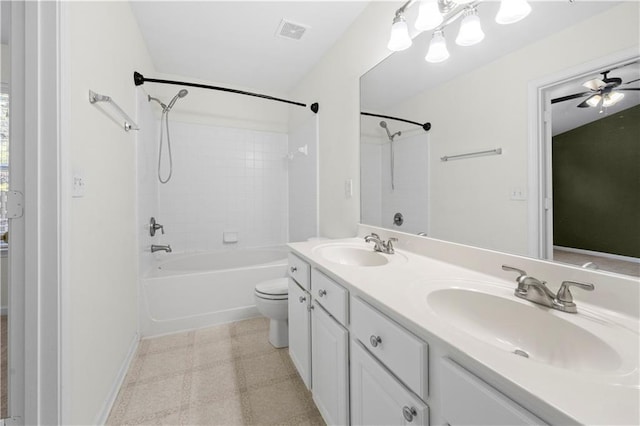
[272, 300]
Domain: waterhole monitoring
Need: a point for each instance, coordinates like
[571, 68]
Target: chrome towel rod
[496, 151]
[129, 124]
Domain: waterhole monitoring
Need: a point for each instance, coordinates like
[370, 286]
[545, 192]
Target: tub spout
[155, 248]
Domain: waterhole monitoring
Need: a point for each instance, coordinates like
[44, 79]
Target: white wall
[303, 180]
[334, 83]
[104, 47]
[469, 199]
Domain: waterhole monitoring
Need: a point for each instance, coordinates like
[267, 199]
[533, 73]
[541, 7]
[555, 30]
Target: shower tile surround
[225, 180]
[226, 375]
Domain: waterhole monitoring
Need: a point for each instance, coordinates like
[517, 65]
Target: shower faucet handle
[154, 226]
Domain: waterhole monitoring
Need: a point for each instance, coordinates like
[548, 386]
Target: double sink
[589, 341]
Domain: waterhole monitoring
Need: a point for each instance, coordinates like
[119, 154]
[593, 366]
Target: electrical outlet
[78, 186]
[517, 194]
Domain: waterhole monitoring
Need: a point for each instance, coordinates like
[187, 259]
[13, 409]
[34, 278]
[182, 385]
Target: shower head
[181, 94]
[151, 98]
[383, 124]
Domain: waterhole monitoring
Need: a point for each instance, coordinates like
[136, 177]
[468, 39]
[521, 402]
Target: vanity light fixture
[470, 30]
[437, 14]
[512, 11]
[438, 51]
[400, 39]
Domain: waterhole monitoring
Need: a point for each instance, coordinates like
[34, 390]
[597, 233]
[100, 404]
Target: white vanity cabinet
[467, 400]
[300, 331]
[330, 367]
[318, 338]
[377, 398]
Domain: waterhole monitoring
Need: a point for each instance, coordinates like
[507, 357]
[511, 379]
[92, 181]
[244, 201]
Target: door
[300, 331]
[377, 398]
[330, 371]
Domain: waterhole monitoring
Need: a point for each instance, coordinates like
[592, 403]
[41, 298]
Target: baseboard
[102, 417]
[598, 253]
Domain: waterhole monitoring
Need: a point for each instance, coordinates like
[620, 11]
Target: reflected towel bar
[496, 151]
[129, 124]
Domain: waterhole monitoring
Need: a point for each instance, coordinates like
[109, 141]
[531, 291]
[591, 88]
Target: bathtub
[194, 290]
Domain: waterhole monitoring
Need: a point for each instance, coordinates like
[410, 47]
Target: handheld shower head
[181, 94]
[383, 124]
[151, 98]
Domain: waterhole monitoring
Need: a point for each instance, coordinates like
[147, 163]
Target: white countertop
[556, 394]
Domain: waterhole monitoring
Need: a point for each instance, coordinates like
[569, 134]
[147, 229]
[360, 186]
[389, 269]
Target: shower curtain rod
[139, 79]
[426, 126]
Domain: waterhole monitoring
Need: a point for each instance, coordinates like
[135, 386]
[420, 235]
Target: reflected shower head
[383, 124]
[181, 94]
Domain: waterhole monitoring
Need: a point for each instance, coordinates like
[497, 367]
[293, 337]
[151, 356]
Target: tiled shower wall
[379, 201]
[225, 180]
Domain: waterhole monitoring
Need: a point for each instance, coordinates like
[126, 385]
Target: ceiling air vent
[291, 30]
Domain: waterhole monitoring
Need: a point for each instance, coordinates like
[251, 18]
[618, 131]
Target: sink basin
[356, 255]
[528, 331]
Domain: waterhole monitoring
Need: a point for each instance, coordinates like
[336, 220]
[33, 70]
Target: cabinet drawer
[377, 398]
[401, 352]
[331, 295]
[299, 270]
[467, 400]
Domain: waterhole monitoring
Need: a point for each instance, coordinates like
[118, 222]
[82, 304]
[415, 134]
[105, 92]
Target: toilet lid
[276, 287]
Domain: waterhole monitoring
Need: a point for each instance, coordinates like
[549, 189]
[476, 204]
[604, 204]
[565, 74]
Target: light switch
[348, 188]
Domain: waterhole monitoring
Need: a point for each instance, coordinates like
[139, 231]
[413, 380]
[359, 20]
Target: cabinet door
[330, 371]
[300, 331]
[377, 398]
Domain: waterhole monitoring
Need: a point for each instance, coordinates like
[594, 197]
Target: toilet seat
[276, 289]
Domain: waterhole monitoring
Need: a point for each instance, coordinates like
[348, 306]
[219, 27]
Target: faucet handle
[564, 295]
[512, 269]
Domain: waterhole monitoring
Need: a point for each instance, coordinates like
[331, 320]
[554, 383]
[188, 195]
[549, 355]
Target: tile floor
[223, 375]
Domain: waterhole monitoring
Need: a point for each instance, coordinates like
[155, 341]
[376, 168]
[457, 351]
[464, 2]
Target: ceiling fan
[605, 92]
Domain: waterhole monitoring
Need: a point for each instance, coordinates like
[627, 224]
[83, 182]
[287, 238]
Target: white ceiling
[234, 42]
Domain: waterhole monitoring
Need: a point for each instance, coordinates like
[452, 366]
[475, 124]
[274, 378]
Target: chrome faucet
[380, 245]
[536, 291]
[155, 248]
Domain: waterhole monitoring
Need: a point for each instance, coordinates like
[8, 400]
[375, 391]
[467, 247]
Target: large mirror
[517, 159]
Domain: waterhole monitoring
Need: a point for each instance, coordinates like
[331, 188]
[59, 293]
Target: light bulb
[512, 11]
[470, 30]
[437, 48]
[594, 100]
[612, 98]
[399, 39]
[429, 16]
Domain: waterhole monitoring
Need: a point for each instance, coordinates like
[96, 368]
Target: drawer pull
[302, 299]
[293, 269]
[409, 413]
[375, 340]
[322, 292]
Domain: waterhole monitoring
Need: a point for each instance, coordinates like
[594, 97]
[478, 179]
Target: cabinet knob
[375, 340]
[310, 308]
[302, 299]
[322, 292]
[293, 269]
[409, 413]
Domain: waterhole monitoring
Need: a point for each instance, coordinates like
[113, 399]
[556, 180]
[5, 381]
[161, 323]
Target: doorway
[589, 199]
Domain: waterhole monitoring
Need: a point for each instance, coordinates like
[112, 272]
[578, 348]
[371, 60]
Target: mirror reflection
[559, 181]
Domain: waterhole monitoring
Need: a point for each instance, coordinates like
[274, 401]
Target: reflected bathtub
[194, 290]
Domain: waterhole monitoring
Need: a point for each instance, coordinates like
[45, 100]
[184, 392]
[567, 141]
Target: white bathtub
[188, 291]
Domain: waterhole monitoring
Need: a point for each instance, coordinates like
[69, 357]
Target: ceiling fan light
[512, 11]
[594, 100]
[438, 51]
[429, 16]
[399, 39]
[470, 30]
[612, 98]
